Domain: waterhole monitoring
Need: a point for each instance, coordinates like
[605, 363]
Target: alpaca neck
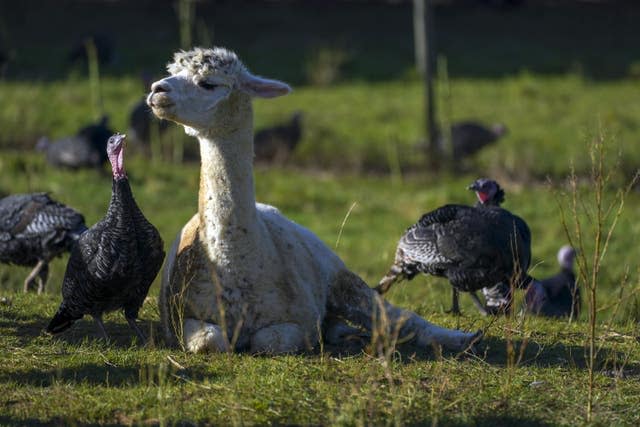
[227, 197]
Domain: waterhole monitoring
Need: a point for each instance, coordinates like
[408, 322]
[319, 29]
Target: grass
[353, 127]
[76, 379]
[550, 100]
[362, 105]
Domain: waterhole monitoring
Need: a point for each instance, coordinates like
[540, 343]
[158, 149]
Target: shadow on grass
[56, 421]
[26, 328]
[107, 374]
[490, 420]
[61, 421]
[493, 351]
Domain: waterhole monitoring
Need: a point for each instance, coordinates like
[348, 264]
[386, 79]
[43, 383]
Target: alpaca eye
[205, 85]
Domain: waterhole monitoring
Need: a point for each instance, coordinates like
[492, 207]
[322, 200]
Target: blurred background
[519, 89]
[547, 70]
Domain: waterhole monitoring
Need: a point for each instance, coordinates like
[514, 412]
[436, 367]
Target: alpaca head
[209, 90]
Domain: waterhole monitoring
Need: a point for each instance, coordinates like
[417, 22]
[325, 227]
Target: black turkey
[142, 122]
[34, 229]
[114, 262]
[275, 144]
[559, 295]
[84, 150]
[498, 298]
[473, 247]
[467, 138]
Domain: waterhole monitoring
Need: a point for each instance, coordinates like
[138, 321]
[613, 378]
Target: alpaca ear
[261, 87]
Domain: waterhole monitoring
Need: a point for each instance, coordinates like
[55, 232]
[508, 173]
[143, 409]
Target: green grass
[73, 380]
[76, 379]
[353, 127]
[563, 71]
[555, 74]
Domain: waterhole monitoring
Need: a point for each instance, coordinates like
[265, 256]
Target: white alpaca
[240, 267]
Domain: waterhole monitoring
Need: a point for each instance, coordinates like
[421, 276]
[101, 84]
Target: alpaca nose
[159, 87]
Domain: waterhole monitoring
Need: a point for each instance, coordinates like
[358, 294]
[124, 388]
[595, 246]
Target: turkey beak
[120, 140]
[473, 187]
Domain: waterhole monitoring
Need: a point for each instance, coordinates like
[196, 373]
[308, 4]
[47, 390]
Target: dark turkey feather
[113, 264]
[86, 149]
[469, 137]
[558, 295]
[275, 144]
[474, 248]
[34, 229]
[142, 121]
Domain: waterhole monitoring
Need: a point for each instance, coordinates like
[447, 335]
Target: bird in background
[276, 144]
[86, 149]
[558, 295]
[34, 229]
[143, 124]
[468, 137]
[115, 261]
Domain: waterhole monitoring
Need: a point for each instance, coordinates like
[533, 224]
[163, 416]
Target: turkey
[467, 138]
[498, 298]
[34, 229]
[142, 121]
[114, 262]
[559, 295]
[472, 246]
[85, 149]
[276, 144]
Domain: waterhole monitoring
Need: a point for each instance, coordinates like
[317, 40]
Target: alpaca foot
[448, 338]
[338, 332]
[202, 337]
[280, 338]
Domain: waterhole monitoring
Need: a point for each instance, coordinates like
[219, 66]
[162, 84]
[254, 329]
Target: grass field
[528, 371]
[563, 75]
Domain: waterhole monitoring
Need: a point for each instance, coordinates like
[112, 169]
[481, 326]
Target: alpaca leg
[352, 299]
[280, 338]
[337, 332]
[30, 278]
[202, 337]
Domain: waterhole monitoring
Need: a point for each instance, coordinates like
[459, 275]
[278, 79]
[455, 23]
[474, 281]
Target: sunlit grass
[353, 127]
[75, 379]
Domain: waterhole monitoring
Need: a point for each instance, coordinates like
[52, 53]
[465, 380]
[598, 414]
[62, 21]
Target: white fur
[274, 280]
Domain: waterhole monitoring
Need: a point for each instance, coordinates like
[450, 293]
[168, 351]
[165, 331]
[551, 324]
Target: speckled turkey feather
[472, 247]
[113, 265]
[34, 227]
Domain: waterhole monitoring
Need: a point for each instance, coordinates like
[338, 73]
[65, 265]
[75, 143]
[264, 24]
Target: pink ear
[261, 87]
